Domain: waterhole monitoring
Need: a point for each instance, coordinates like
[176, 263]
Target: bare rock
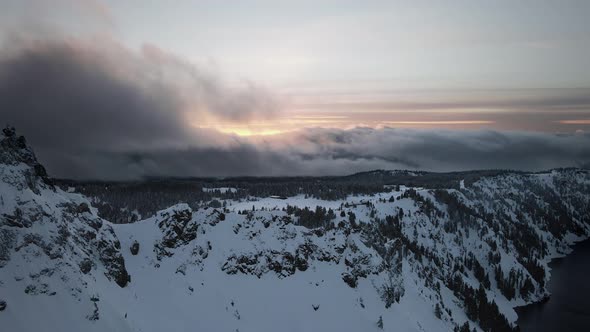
[85, 265]
[134, 248]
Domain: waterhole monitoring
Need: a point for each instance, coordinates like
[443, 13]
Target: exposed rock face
[85, 265]
[350, 280]
[283, 263]
[109, 250]
[178, 228]
[309, 248]
[96, 238]
[83, 208]
[41, 222]
[16, 219]
[14, 151]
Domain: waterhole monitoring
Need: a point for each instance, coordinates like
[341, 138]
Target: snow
[189, 288]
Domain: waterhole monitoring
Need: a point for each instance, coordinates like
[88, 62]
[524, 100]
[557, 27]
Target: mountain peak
[14, 150]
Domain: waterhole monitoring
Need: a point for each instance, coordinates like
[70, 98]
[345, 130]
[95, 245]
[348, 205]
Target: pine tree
[465, 327]
[437, 311]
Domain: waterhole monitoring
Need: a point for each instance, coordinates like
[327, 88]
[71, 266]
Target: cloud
[93, 108]
[54, 17]
[438, 150]
[75, 97]
[103, 68]
[514, 100]
[205, 94]
[330, 152]
[69, 90]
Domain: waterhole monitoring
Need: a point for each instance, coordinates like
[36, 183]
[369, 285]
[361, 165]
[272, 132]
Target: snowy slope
[54, 250]
[63, 268]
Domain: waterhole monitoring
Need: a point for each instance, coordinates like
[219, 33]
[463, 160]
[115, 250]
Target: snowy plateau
[408, 258]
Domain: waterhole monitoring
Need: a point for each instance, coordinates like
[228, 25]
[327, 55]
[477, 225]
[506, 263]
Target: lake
[568, 309]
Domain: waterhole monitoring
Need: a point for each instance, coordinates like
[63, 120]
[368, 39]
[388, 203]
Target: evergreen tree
[437, 311]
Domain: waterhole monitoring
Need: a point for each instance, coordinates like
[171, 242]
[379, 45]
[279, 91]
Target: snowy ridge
[53, 246]
[403, 260]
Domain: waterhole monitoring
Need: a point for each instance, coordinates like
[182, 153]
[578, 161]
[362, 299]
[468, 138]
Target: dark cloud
[439, 150]
[80, 100]
[74, 85]
[95, 109]
[365, 149]
[66, 94]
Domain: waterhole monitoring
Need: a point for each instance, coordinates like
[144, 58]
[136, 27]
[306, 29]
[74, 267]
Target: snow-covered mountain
[406, 259]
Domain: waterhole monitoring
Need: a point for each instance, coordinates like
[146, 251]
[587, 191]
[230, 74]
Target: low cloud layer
[440, 150]
[93, 109]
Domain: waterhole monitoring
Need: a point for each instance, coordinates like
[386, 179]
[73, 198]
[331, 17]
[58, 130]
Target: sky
[127, 89]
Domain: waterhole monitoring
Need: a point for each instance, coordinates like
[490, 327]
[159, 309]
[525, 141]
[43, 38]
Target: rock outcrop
[178, 228]
[39, 222]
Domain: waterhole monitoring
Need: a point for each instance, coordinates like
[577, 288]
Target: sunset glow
[575, 122]
[296, 88]
[455, 122]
